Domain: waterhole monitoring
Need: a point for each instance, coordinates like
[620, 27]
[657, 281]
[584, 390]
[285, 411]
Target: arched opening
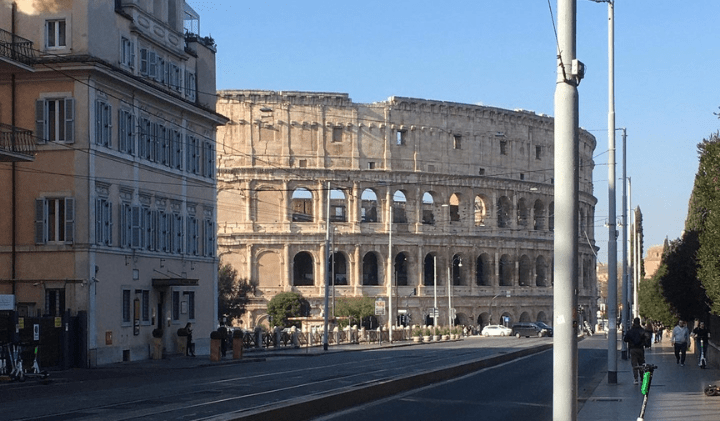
[522, 213]
[540, 272]
[506, 271]
[525, 317]
[480, 212]
[302, 205]
[429, 270]
[339, 266]
[454, 208]
[370, 269]
[483, 320]
[542, 317]
[483, 270]
[399, 208]
[428, 209]
[401, 269]
[369, 206]
[457, 274]
[506, 319]
[551, 216]
[338, 206]
[525, 274]
[539, 216]
[503, 212]
[303, 273]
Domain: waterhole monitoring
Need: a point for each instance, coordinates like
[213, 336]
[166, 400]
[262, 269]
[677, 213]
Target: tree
[285, 305]
[653, 304]
[355, 309]
[232, 293]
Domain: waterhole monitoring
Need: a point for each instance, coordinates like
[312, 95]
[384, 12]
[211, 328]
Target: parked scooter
[703, 361]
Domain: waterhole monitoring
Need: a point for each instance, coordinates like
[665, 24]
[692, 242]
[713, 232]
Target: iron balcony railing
[16, 144]
[16, 48]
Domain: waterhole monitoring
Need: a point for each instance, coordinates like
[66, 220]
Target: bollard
[238, 344]
[215, 338]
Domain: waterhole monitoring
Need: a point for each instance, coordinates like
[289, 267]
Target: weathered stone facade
[470, 189]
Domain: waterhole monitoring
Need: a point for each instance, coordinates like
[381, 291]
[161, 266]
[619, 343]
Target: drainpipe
[14, 164]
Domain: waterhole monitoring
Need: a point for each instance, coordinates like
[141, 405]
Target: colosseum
[425, 205]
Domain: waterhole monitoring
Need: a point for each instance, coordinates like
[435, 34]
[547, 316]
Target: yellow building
[110, 231]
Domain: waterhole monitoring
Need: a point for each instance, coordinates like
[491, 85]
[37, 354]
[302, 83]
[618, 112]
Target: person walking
[190, 346]
[700, 333]
[224, 335]
[637, 339]
[679, 340]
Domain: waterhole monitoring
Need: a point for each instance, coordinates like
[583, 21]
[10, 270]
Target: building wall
[470, 189]
[123, 184]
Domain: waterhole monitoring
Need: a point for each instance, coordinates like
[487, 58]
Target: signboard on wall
[379, 307]
[7, 302]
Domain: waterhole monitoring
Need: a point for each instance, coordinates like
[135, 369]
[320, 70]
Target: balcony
[15, 52]
[16, 144]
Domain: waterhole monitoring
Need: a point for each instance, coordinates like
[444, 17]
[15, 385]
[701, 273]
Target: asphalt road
[237, 390]
[517, 390]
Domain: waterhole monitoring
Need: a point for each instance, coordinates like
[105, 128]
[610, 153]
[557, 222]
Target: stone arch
[428, 208]
[269, 269]
[483, 270]
[338, 206]
[525, 317]
[504, 211]
[525, 275]
[541, 317]
[399, 207]
[302, 205]
[457, 271]
[400, 266]
[370, 266]
[429, 270]
[539, 215]
[339, 267]
[483, 319]
[454, 209]
[369, 206]
[522, 213]
[480, 211]
[506, 271]
[303, 269]
[541, 272]
[506, 319]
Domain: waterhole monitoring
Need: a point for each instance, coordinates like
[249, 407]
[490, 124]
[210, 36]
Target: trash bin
[215, 339]
[182, 341]
[157, 344]
[237, 344]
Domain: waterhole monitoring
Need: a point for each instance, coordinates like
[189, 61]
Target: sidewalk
[676, 392]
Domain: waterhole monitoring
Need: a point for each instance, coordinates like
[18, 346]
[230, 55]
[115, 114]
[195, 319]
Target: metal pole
[327, 269]
[390, 265]
[435, 310]
[449, 294]
[565, 359]
[626, 297]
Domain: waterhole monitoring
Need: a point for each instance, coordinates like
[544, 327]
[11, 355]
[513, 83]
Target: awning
[174, 282]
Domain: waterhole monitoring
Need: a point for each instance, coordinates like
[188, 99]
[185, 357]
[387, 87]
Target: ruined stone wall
[469, 188]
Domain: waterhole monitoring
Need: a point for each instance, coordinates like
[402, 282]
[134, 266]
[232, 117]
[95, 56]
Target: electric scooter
[647, 373]
[703, 361]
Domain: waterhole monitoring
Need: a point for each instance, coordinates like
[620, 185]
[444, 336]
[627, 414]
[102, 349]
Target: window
[208, 238]
[538, 150]
[176, 150]
[208, 159]
[522, 176]
[481, 171]
[174, 76]
[400, 137]
[163, 144]
[143, 61]
[148, 140]
[131, 226]
[145, 306]
[103, 124]
[126, 306]
[103, 222]
[55, 31]
[177, 233]
[337, 134]
[193, 154]
[192, 235]
[457, 141]
[149, 228]
[503, 147]
[54, 120]
[54, 220]
[371, 165]
[176, 305]
[191, 304]
[164, 232]
[127, 53]
[190, 90]
[54, 302]
[126, 141]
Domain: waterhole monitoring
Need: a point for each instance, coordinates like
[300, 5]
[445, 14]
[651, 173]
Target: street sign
[379, 307]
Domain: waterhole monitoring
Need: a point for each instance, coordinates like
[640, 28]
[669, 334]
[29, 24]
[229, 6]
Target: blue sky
[501, 53]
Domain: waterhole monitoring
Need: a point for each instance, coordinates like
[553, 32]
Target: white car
[496, 330]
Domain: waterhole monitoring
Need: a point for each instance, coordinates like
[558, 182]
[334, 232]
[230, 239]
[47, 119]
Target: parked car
[496, 330]
[528, 329]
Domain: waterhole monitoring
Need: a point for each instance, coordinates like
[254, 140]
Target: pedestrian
[679, 339]
[700, 333]
[636, 338]
[223, 337]
[189, 345]
[661, 330]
